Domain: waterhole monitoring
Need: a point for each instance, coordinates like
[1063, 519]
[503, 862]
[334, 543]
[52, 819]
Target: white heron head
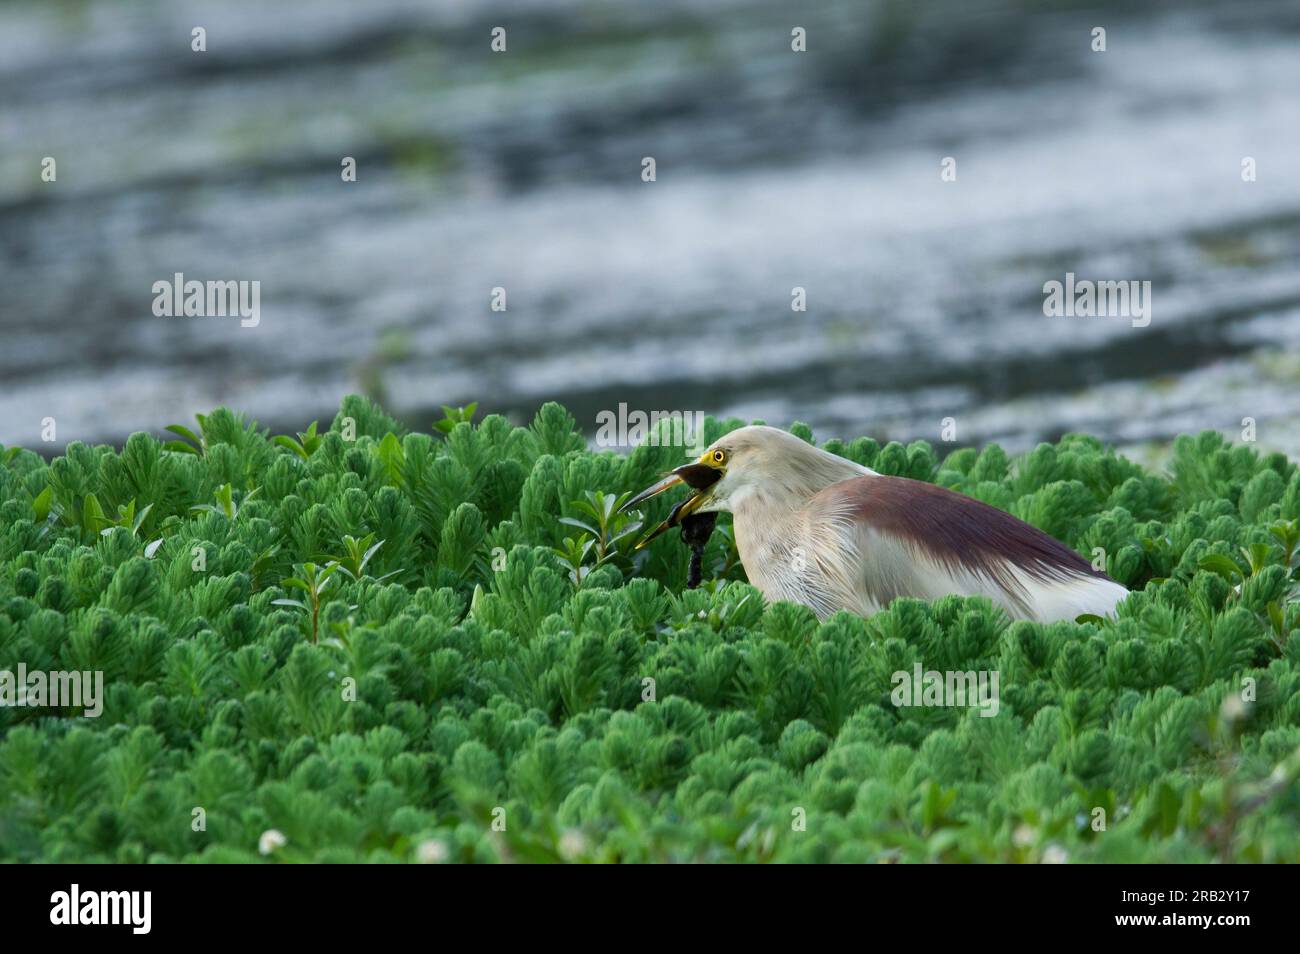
[758, 464]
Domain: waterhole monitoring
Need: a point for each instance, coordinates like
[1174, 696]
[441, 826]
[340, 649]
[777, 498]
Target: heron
[818, 529]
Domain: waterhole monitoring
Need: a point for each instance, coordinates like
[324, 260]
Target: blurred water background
[774, 170]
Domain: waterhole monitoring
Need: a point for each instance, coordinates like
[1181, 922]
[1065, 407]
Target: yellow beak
[699, 477]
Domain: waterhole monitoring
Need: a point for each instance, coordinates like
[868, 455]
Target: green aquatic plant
[366, 642]
[313, 581]
[127, 518]
[451, 416]
[304, 445]
[607, 536]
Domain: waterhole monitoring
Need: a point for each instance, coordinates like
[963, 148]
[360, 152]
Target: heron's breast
[775, 551]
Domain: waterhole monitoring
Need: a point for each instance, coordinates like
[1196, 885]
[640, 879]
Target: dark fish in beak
[696, 530]
[699, 477]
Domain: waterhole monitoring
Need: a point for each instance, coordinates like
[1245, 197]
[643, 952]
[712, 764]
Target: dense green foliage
[376, 646]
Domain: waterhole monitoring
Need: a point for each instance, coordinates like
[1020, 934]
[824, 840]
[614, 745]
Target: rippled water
[522, 170]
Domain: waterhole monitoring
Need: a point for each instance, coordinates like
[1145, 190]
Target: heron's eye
[719, 457]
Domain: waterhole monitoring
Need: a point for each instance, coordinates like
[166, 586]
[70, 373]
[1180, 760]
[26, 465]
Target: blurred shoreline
[775, 170]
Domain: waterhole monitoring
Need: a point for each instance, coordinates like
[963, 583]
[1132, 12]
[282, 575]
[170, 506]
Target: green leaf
[393, 460]
[1222, 565]
[572, 522]
[41, 504]
[288, 443]
[92, 515]
[185, 432]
